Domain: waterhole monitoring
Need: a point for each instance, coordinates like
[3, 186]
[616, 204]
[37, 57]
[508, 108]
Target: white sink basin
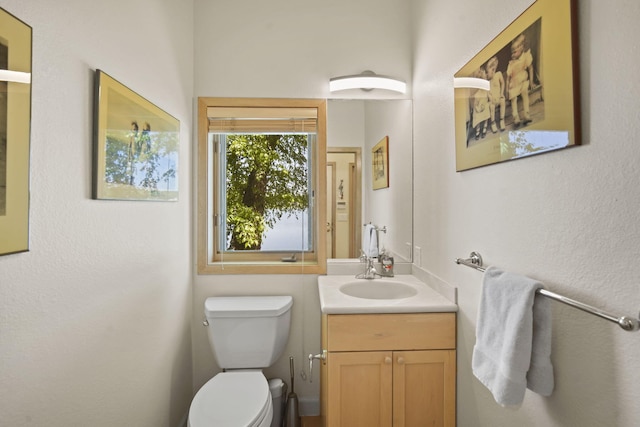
[403, 293]
[378, 289]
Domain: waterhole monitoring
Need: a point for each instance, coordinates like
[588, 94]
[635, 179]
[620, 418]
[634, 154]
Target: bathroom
[101, 321]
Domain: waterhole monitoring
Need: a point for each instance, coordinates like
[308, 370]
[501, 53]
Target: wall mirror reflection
[354, 127]
[15, 130]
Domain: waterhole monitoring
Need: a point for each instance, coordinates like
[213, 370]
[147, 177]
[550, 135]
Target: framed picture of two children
[519, 96]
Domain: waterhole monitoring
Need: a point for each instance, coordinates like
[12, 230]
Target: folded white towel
[366, 239]
[370, 241]
[373, 243]
[513, 338]
[540, 373]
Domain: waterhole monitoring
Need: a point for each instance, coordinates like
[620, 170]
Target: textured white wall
[291, 48]
[95, 319]
[288, 48]
[567, 218]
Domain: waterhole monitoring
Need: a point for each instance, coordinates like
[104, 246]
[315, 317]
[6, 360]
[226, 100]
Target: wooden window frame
[255, 263]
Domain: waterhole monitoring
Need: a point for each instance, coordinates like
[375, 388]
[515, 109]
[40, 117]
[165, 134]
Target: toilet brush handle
[291, 371]
[322, 356]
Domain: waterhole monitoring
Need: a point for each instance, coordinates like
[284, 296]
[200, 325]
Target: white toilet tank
[248, 331]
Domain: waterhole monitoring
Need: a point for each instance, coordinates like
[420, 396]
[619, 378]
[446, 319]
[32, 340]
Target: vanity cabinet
[388, 370]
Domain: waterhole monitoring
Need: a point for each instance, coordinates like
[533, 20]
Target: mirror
[354, 127]
[15, 131]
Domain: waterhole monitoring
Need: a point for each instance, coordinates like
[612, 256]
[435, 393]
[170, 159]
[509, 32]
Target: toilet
[246, 334]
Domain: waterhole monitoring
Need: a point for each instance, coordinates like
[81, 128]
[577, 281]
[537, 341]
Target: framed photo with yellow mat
[15, 131]
[519, 96]
[380, 164]
[135, 145]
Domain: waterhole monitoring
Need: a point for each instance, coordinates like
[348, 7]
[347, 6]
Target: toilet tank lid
[249, 306]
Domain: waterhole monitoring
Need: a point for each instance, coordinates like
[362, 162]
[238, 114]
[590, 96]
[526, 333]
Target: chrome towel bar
[627, 323]
[377, 228]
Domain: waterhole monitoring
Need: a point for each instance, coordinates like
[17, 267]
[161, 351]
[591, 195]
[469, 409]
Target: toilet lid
[232, 399]
[247, 306]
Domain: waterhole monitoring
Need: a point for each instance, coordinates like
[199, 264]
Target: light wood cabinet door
[360, 389]
[424, 388]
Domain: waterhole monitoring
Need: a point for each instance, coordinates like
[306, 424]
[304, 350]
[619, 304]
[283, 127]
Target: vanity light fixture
[470, 82]
[367, 80]
[14, 76]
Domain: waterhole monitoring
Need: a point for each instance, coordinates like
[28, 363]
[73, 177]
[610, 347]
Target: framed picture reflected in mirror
[15, 131]
[380, 164]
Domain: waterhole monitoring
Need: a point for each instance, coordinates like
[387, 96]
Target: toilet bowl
[233, 399]
[246, 334]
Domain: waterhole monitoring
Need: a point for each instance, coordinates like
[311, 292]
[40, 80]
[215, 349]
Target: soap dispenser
[386, 265]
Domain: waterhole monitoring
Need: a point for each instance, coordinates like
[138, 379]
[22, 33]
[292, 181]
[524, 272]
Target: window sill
[262, 268]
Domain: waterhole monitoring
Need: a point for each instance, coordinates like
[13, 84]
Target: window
[259, 185]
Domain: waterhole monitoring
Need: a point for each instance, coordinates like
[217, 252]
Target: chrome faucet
[370, 271]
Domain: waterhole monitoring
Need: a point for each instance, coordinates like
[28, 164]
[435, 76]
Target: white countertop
[426, 299]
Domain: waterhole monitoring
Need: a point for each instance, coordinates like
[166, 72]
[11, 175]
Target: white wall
[95, 318]
[567, 218]
[291, 48]
[345, 123]
[287, 48]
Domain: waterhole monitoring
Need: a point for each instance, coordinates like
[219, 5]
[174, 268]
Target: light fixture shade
[471, 82]
[15, 76]
[367, 81]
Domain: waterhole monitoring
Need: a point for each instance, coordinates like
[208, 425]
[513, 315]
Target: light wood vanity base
[388, 370]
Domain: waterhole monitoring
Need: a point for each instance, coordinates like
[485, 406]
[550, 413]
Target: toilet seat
[233, 399]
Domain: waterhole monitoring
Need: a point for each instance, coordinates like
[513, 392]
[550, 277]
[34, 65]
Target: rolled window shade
[257, 120]
[261, 126]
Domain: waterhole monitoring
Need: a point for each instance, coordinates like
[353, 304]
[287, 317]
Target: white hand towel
[540, 373]
[366, 239]
[370, 241]
[373, 243]
[513, 338]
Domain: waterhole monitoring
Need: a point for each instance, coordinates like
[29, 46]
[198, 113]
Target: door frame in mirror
[355, 189]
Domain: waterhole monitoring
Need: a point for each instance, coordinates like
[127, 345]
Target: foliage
[134, 158]
[266, 178]
[523, 143]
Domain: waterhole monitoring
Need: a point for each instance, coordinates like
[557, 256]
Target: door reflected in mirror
[354, 127]
[344, 171]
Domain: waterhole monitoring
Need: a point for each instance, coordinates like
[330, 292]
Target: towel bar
[383, 229]
[627, 323]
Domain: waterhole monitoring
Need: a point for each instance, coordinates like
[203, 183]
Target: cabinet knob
[400, 360]
[387, 360]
